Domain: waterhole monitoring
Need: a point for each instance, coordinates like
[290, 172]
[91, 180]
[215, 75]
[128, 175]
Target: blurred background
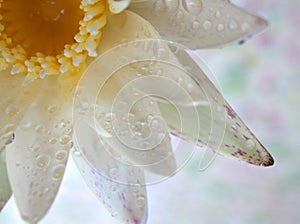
[261, 80]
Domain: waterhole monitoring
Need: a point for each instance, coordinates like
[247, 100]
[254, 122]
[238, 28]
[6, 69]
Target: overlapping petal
[14, 102]
[5, 189]
[221, 129]
[119, 185]
[199, 23]
[121, 29]
[37, 158]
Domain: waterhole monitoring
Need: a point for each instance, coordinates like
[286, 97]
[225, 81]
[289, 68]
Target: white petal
[120, 187]
[15, 100]
[5, 190]
[160, 159]
[112, 126]
[37, 158]
[199, 23]
[123, 28]
[221, 129]
[194, 109]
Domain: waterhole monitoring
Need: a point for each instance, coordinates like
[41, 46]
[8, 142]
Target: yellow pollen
[49, 37]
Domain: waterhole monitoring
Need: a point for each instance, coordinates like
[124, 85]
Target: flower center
[41, 26]
[48, 37]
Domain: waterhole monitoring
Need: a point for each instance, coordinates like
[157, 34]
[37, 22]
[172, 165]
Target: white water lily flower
[45, 48]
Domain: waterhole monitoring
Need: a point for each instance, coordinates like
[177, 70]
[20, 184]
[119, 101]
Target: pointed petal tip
[269, 161]
[261, 24]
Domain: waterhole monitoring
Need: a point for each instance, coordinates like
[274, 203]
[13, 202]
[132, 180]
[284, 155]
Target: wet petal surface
[120, 186]
[5, 189]
[37, 158]
[199, 23]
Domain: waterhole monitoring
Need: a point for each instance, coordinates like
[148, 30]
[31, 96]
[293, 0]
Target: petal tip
[268, 161]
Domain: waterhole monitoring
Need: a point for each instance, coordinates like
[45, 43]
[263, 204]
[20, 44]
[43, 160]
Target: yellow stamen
[49, 37]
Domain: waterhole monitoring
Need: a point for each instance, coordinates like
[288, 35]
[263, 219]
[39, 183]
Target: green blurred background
[261, 80]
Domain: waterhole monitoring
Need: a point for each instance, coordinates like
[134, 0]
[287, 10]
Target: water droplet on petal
[52, 108]
[35, 148]
[58, 171]
[64, 139]
[140, 201]
[172, 5]
[52, 141]
[61, 155]
[220, 27]
[207, 25]
[218, 14]
[194, 7]
[159, 6]
[196, 25]
[11, 110]
[39, 129]
[233, 25]
[42, 161]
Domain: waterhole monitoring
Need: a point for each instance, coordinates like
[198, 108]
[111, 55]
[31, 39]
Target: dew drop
[245, 27]
[52, 108]
[179, 15]
[218, 14]
[233, 25]
[60, 125]
[83, 107]
[194, 7]
[196, 25]
[159, 6]
[52, 141]
[154, 124]
[58, 171]
[61, 155]
[140, 201]
[39, 129]
[35, 148]
[220, 27]
[207, 25]
[162, 53]
[11, 110]
[172, 5]
[64, 140]
[42, 161]
[113, 172]
[190, 88]
[114, 214]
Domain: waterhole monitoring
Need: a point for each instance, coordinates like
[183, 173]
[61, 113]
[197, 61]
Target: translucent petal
[190, 104]
[5, 189]
[199, 23]
[221, 129]
[123, 28]
[37, 157]
[15, 100]
[120, 186]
